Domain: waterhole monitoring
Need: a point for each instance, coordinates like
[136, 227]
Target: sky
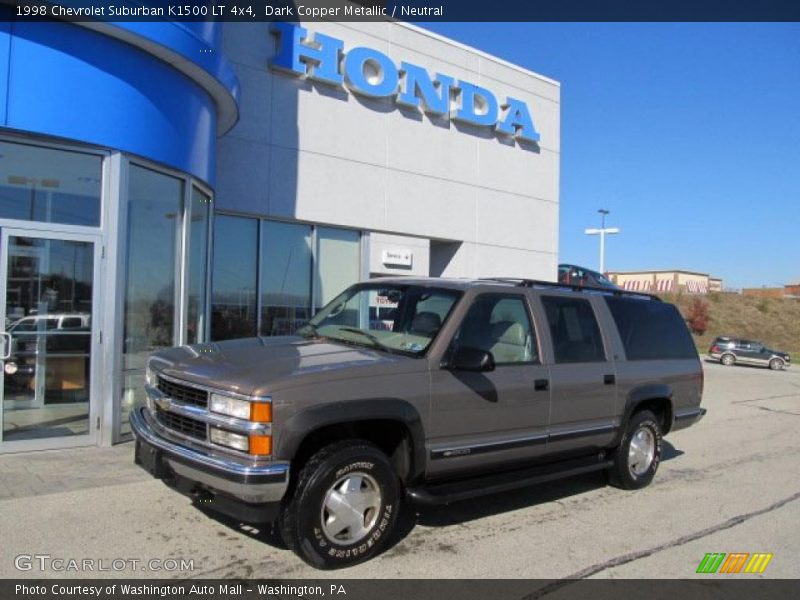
[689, 133]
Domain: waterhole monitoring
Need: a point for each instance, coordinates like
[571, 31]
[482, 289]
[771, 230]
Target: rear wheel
[344, 506]
[776, 364]
[637, 458]
[728, 360]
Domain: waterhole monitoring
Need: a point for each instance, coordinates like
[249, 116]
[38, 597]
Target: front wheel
[344, 506]
[637, 458]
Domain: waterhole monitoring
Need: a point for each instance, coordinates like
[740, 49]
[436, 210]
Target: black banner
[407, 10]
[714, 586]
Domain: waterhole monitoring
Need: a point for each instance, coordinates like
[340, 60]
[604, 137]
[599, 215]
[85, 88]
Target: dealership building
[172, 183]
[670, 280]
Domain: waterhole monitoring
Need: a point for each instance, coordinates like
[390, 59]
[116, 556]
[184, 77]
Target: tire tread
[290, 508]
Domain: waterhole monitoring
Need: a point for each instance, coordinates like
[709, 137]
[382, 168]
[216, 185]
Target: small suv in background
[729, 351]
[583, 277]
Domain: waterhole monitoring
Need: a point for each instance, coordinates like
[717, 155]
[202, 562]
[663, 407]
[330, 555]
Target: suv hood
[261, 365]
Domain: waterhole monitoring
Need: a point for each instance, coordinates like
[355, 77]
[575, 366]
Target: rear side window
[71, 323]
[573, 327]
[651, 330]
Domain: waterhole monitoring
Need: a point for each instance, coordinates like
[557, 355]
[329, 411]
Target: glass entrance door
[47, 315]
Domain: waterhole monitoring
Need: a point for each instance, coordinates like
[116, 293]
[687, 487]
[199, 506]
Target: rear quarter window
[573, 329]
[651, 330]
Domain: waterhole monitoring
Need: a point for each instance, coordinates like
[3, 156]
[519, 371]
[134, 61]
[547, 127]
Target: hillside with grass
[773, 321]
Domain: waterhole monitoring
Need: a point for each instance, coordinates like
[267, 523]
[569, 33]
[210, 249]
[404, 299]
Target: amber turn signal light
[261, 445]
[261, 412]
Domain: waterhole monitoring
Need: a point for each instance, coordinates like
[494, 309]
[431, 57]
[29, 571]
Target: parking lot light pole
[602, 233]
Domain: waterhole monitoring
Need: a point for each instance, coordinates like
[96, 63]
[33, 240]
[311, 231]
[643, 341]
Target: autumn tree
[698, 318]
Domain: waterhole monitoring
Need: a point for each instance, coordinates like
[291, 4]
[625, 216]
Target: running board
[463, 489]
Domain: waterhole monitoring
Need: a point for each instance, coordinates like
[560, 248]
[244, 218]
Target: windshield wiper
[308, 329]
[366, 334]
[377, 343]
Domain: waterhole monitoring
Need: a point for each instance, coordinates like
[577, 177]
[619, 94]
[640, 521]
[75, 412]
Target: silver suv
[730, 351]
[423, 390]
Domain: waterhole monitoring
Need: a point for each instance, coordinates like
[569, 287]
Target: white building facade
[196, 182]
[453, 198]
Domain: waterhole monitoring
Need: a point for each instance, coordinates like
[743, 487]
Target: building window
[197, 267]
[49, 185]
[285, 277]
[338, 263]
[155, 208]
[234, 278]
[296, 270]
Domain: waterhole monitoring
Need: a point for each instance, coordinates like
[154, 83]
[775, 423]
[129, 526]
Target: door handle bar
[7, 346]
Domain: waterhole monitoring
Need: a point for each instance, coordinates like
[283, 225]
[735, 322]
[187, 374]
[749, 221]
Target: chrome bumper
[254, 484]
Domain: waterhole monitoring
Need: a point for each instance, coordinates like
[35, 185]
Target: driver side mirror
[471, 359]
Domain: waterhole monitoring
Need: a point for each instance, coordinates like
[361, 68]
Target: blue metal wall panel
[5, 44]
[68, 81]
[199, 42]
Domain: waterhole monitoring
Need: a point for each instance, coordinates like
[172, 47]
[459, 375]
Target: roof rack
[531, 283]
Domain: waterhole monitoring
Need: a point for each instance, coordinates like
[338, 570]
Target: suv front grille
[180, 424]
[183, 393]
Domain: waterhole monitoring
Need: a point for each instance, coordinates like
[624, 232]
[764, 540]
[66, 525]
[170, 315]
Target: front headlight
[149, 377]
[233, 407]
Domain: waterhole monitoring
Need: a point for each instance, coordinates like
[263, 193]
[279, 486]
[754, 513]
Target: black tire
[302, 515]
[776, 364]
[623, 474]
[728, 360]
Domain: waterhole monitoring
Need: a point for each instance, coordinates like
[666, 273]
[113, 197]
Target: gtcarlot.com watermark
[49, 563]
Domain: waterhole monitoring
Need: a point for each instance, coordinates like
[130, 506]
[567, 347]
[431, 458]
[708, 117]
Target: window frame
[260, 219]
[262, 235]
[619, 331]
[605, 340]
[115, 217]
[526, 305]
[75, 148]
[427, 352]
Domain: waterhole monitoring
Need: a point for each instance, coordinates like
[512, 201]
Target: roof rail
[531, 283]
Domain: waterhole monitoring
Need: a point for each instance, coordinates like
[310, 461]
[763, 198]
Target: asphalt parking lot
[729, 484]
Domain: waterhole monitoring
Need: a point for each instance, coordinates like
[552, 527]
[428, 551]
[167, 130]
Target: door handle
[609, 379]
[541, 385]
[6, 346]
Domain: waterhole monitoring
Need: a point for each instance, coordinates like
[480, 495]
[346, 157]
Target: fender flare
[643, 393]
[299, 426]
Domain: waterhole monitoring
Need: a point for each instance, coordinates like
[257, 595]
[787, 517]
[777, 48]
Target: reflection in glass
[234, 286]
[285, 277]
[418, 315]
[197, 265]
[53, 186]
[154, 222]
[338, 263]
[48, 305]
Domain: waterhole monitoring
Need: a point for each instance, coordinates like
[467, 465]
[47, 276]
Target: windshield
[603, 280]
[395, 318]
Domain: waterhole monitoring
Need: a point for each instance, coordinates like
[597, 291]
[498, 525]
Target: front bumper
[218, 481]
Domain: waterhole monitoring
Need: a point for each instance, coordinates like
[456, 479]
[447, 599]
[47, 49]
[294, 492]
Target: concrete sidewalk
[55, 471]
[728, 484]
